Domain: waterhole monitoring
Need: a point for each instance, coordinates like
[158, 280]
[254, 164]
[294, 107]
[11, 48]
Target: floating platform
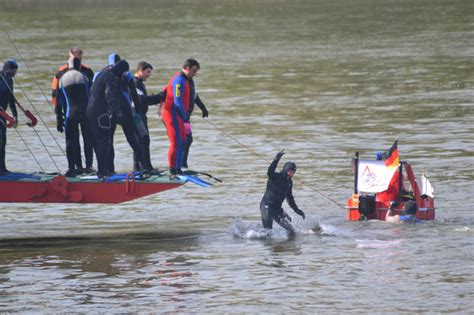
[45, 188]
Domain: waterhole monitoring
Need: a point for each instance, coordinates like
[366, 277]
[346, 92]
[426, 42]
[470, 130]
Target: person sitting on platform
[408, 215]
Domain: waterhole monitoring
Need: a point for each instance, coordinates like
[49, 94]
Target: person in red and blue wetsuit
[189, 133]
[179, 95]
[7, 98]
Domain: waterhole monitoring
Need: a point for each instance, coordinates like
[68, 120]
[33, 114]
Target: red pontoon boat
[44, 188]
[376, 185]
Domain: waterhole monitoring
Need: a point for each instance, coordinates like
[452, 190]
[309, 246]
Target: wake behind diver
[279, 188]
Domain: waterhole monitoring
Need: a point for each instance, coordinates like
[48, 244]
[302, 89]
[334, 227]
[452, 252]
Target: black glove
[162, 95]
[60, 124]
[279, 155]
[301, 213]
[205, 113]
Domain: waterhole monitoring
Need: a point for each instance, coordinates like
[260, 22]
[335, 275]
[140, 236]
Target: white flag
[374, 176]
[426, 188]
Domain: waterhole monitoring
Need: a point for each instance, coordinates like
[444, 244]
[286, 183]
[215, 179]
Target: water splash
[378, 243]
[254, 230]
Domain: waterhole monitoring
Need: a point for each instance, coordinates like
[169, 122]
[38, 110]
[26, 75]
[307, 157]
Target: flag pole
[356, 165]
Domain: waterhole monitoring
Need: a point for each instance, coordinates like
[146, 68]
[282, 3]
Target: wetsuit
[175, 114]
[54, 85]
[279, 187]
[71, 104]
[6, 99]
[189, 135]
[102, 109]
[128, 92]
[143, 133]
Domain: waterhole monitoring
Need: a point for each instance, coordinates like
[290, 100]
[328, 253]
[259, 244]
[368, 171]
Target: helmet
[10, 64]
[289, 166]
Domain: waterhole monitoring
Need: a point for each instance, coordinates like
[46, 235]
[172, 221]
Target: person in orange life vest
[71, 106]
[7, 98]
[74, 52]
[179, 96]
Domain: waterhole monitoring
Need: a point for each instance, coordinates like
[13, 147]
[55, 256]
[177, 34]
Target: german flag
[391, 156]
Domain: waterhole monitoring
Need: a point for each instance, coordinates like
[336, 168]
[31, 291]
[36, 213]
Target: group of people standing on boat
[93, 104]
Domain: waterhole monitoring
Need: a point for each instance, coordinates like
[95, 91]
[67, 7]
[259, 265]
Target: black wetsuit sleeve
[111, 93]
[133, 92]
[12, 102]
[59, 106]
[88, 73]
[271, 169]
[55, 90]
[200, 104]
[291, 200]
[151, 99]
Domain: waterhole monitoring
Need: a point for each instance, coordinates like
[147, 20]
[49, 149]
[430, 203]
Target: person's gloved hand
[163, 95]
[60, 124]
[205, 113]
[279, 155]
[301, 213]
[16, 121]
[120, 118]
[187, 128]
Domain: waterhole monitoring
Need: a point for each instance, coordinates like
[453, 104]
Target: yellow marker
[177, 93]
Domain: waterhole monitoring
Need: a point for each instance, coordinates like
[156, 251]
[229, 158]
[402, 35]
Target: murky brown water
[321, 79]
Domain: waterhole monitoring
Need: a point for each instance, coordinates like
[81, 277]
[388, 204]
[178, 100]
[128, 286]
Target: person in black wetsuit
[7, 98]
[142, 73]
[72, 98]
[128, 94]
[103, 108]
[189, 133]
[279, 188]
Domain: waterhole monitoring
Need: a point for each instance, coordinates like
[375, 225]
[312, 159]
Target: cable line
[266, 160]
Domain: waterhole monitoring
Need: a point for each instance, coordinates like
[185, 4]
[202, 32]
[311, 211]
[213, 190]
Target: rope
[42, 93]
[34, 129]
[29, 69]
[266, 160]
[27, 147]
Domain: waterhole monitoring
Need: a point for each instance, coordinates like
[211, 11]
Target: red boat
[376, 185]
[43, 188]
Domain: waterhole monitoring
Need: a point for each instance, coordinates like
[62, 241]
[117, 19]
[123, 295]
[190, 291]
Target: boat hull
[59, 189]
[426, 210]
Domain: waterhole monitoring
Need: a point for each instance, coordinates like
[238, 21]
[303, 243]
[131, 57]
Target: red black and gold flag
[391, 156]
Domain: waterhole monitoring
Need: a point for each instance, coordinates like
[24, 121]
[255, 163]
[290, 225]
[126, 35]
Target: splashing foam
[255, 230]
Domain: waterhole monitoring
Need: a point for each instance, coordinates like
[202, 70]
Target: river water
[320, 79]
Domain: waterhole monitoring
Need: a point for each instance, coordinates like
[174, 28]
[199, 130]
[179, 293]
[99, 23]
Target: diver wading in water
[279, 188]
